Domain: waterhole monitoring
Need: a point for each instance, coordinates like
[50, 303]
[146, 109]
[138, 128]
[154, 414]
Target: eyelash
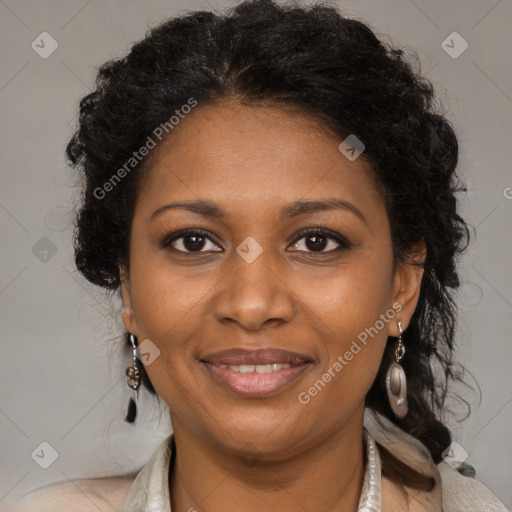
[343, 243]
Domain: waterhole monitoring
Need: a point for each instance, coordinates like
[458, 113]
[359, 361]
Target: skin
[271, 453]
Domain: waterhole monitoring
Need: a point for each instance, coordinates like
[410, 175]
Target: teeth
[258, 368]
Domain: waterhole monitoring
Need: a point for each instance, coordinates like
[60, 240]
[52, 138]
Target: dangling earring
[396, 383]
[132, 372]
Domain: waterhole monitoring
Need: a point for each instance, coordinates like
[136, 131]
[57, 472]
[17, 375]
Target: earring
[396, 383]
[133, 381]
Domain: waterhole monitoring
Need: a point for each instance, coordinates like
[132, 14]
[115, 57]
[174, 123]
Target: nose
[254, 293]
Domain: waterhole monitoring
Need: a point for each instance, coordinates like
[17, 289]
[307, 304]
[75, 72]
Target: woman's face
[251, 280]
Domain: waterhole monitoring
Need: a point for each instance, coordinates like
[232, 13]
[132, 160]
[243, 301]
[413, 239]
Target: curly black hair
[335, 69]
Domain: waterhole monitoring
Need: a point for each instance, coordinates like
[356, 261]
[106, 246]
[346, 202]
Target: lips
[256, 373]
[265, 355]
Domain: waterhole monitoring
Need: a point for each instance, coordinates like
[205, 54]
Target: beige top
[149, 490]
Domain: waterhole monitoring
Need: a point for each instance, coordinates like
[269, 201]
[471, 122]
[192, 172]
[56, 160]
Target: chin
[260, 432]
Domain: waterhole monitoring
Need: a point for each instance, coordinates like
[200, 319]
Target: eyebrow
[300, 207]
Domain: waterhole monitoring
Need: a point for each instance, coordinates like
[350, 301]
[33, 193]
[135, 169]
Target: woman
[273, 194]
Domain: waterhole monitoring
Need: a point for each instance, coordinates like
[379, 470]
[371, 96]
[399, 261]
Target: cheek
[166, 297]
[168, 306]
[356, 312]
[353, 298]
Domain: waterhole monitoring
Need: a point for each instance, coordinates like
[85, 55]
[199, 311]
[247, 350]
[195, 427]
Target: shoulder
[396, 496]
[459, 494]
[81, 495]
[462, 493]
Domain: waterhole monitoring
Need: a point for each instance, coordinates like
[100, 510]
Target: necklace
[371, 492]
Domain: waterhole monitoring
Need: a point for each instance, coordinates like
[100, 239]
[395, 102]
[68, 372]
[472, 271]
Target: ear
[406, 285]
[128, 314]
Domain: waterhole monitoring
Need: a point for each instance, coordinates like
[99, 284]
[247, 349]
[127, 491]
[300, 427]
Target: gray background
[62, 370]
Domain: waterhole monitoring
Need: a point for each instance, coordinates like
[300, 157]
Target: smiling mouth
[255, 381]
[256, 373]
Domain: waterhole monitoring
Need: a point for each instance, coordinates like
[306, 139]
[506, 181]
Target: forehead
[239, 155]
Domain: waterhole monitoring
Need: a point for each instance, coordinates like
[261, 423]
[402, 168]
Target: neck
[327, 476]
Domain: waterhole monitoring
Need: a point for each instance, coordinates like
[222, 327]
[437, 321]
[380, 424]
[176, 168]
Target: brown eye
[318, 240]
[189, 241]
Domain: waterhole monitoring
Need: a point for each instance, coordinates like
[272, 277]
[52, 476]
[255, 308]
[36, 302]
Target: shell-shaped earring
[396, 382]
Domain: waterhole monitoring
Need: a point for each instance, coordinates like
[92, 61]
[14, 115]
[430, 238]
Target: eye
[318, 239]
[198, 240]
[190, 240]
